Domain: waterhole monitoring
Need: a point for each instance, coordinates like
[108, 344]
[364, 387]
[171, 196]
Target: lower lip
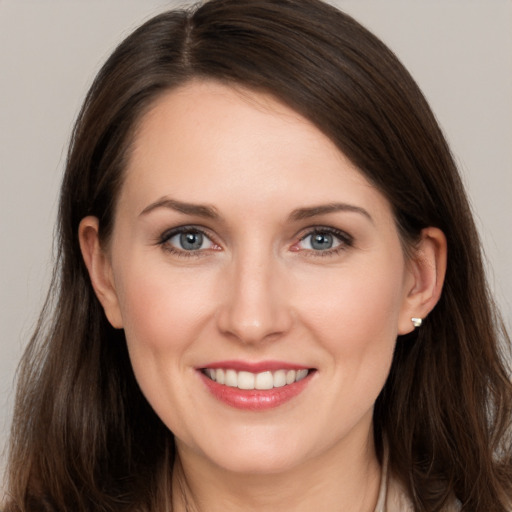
[255, 399]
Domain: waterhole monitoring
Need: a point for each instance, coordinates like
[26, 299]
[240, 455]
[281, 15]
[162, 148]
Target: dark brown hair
[84, 438]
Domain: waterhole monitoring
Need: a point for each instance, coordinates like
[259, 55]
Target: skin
[257, 290]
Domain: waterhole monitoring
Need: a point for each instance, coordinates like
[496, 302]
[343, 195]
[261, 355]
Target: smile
[255, 386]
[261, 381]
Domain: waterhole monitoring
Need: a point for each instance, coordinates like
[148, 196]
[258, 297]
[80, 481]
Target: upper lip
[254, 366]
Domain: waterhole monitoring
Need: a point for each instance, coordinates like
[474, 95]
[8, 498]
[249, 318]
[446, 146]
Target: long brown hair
[84, 438]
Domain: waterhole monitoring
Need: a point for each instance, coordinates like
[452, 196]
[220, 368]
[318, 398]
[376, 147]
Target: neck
[347, 479]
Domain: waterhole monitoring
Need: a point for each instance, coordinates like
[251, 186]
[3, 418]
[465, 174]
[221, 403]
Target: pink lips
[254, 399]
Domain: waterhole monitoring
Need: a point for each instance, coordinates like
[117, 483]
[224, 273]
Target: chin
[257, 451]
[258, 463]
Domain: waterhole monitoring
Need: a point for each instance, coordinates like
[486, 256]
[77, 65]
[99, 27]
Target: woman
[270, 293]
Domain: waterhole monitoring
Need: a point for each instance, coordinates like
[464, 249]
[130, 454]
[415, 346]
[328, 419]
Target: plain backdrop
[459, 51]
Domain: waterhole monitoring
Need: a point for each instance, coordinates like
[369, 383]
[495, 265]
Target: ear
[99, 266]
[426, 270]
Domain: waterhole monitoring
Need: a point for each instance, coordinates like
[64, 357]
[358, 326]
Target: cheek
[163, 316]
[162, 311]
[355, 314]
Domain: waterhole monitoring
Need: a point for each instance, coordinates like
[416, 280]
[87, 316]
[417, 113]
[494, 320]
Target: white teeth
[231, 378]
[246, 380]
[280, 378]
[249, 380]
[290, 376]
[264, 380]
[300, 375]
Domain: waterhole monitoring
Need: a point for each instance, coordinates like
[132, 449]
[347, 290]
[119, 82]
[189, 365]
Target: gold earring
[417, 321]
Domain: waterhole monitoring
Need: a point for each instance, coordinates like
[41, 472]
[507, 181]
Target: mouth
[246, 380]
[256, 387]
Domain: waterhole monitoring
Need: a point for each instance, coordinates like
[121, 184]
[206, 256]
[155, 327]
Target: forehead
[206, 138]
[208, 113]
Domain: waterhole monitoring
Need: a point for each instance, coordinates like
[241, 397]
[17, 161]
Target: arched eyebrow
[208, 212]
[323, 209]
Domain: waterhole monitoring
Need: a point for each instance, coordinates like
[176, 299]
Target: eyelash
[345, 241]
[168, 235]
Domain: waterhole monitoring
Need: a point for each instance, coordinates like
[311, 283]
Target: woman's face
[247, 249]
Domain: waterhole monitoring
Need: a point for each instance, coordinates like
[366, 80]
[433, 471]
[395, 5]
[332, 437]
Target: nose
[255, 306]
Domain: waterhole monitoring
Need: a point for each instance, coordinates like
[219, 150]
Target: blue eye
[186, 240]
[321, 241]
[325, 240]
[191, 241]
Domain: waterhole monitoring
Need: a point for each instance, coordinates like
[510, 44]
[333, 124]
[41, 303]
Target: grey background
[459, 51]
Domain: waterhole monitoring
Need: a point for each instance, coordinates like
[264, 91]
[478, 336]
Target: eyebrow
[199, 210]
[209, 212]
[313, 211]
